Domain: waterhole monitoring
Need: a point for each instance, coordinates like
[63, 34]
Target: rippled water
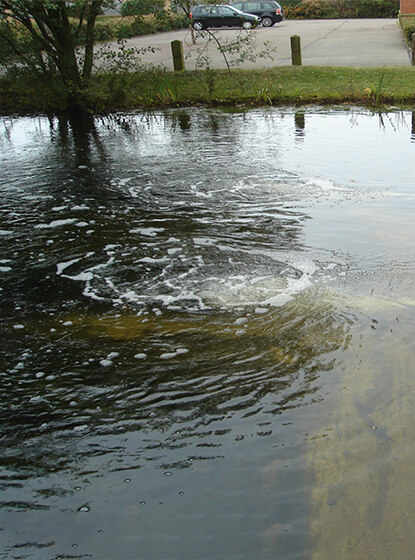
[207, 341]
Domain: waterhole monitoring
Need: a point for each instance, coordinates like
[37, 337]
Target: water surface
[208, 336]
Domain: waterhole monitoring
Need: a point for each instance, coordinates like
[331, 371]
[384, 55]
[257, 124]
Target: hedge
[408, 27]
[318, 9]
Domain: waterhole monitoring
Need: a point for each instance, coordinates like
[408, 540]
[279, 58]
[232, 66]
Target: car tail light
[278, 11]
[190, 15]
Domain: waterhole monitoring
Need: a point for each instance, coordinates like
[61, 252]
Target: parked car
[269, 11]
[221, 15]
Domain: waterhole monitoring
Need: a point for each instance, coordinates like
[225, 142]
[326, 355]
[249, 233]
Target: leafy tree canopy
[54, 30]
[140, 7]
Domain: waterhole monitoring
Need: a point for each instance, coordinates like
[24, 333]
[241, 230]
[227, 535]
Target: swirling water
[207, 336]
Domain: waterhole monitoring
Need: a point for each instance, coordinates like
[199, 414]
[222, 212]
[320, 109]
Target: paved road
[338, 42]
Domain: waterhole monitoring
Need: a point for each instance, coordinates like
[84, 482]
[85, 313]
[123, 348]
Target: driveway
[336, 42]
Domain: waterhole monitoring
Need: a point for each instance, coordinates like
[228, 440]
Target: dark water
[207, 341]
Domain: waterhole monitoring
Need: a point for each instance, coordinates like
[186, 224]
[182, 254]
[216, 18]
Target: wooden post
[178, 58]
[413, 49]
[296, 50]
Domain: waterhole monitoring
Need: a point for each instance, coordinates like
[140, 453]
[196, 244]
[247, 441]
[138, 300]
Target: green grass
[282, 85]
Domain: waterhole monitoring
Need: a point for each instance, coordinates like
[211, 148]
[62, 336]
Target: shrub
[140, 7]
[408, 27]
[308, 9]
[313, 9]
[377, 9]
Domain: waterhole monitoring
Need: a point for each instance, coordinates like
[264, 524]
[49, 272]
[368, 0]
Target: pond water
[208, 336]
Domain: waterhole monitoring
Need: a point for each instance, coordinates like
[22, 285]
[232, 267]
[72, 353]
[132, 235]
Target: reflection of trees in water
[182, 120]
[86, 156]
[299, 122]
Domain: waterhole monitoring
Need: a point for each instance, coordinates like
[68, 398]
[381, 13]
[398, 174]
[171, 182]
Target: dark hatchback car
[221, 15]
[269, 11]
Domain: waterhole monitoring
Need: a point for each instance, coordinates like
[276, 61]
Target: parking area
[336, 42]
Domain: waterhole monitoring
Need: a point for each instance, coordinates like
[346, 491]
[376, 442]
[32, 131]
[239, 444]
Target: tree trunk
[90, 39]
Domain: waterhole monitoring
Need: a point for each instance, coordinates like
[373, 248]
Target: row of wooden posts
[296, 59]
[178, 58]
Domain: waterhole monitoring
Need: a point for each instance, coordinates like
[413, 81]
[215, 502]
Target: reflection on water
[207, 345]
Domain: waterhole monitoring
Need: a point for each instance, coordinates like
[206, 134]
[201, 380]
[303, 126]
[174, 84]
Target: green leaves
[141, 7]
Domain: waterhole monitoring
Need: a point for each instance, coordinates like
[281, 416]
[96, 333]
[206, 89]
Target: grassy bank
[282, 85]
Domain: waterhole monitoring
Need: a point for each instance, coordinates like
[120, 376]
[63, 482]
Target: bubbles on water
[170, 355]
[84, 509]
[261, 310]
[106, 363]
[81, 428]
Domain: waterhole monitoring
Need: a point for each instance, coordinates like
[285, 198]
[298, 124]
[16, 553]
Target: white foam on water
[60, 267]
[214, 269]
[260, 291]
[177, 352]
[80, 207]
[192, 283]
[148, 231]
[81, 277]
[106, 363]
[56, 223]
[151, 260]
